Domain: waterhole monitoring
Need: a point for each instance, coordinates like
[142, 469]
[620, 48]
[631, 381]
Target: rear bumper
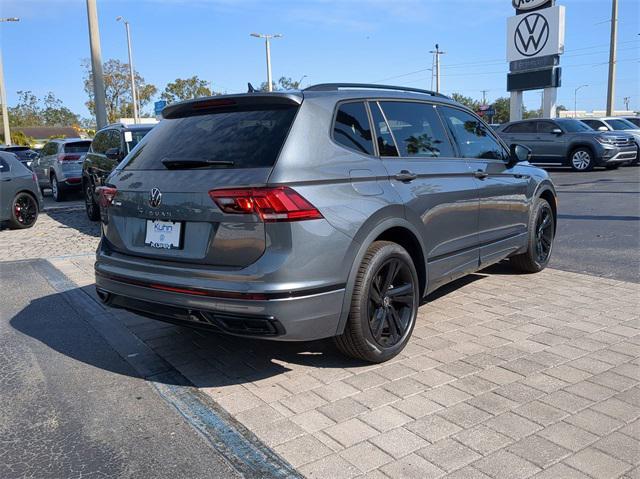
[295, 316]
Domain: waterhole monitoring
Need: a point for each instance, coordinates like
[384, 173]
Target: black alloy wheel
[391, 300]
[25, 211]
[544, 233]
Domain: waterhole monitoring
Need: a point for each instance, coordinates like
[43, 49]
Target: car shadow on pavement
[207, 359]
[75, 218]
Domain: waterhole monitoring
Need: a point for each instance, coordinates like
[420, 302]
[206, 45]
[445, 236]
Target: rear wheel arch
[547, 194]
[397, 230]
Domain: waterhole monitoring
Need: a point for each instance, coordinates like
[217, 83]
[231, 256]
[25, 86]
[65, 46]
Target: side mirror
[112, 153]
[518, 153]
[603, 128]
[556, 131]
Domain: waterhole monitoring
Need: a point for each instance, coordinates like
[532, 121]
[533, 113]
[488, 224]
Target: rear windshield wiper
[183, 164]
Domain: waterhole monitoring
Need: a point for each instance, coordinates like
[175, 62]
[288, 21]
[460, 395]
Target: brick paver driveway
[507, 376]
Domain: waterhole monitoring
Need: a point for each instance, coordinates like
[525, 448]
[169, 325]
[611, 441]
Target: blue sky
[348, 40]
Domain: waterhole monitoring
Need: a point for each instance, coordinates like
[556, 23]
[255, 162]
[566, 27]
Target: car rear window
[77, 147]
[239, 139]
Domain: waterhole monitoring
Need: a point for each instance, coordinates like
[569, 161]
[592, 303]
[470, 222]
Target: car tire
[384, 305]
[92, 208]
[57, 192]
[24, 211]
[582, 159]
[542, 230]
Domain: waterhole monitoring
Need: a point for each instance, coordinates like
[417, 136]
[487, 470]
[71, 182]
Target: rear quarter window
[244, 138]
[351, 128]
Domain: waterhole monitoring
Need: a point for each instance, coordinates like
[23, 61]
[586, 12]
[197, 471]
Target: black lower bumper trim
[229, 323]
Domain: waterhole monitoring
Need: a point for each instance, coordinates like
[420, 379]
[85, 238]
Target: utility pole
[626, 100]
[267, 39]
[3, 92]
[437, 52]
[612, 58]
[132, 74]
[96, 64]
[484, 96]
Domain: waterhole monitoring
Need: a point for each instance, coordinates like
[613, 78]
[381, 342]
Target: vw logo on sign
[155, 197]
[532, 34]
[528, 4]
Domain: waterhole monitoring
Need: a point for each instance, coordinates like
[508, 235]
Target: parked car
[108, 148]
[633, 119]
[20, 196]
[616, 124]
[25, 154]
[571, 142]
[59, 166]
[329, 212]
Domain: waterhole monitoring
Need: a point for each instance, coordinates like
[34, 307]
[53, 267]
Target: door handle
[406, 176]
[481, 175]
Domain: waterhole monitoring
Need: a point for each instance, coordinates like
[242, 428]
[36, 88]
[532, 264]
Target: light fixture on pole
[267, 38]
[134, 95]
[575, 100]
[3, 92]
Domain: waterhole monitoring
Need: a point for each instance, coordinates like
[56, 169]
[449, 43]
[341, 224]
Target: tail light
[271, 204]
[68, 157]
[106, 195]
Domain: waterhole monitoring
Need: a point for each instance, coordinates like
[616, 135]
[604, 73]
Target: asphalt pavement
[598, 223]
[72, 406]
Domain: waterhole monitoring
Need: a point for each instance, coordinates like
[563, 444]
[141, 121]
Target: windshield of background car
[621, 124]
[574, 126]
[135, 136]
[245, 138]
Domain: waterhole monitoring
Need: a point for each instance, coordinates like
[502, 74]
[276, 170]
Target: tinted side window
[417, 129]
[352, 128]
[4, 167]
[473, 137]
[386, 145]
[49, 149]
[546, 127]
[592, 123]
[113, 139]
[100, 141]
[527, 127]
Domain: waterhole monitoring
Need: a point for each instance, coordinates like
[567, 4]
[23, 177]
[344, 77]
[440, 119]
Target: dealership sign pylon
[535, 41]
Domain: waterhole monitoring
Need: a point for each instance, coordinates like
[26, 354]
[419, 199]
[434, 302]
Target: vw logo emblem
[155, 197]
[532, 35]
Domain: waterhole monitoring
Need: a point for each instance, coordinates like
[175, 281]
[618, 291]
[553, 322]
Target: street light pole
[131, 70]
[267, 38]
[437, 52]
[3, 93]
[612, 58]
[575, 100]
[96, 64]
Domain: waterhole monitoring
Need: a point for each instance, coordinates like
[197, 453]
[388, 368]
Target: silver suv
[571, 142]
[59, 166]
[327, 212]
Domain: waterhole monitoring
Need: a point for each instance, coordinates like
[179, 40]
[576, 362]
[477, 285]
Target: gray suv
[571, 142]
[327, 212]
[59, 166]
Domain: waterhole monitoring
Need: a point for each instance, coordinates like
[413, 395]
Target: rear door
[436, 186]
[549, 147]
[43, 163]
[524, 133]
[163, 209]
[503, 189]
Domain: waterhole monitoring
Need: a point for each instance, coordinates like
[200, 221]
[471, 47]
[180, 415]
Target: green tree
[31, 111]
[186, 89]
[501, 106]
[466, 101]
[283, 84]
[117, 85]
[20, 139]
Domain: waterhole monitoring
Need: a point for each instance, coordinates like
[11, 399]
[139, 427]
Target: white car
[612, 123]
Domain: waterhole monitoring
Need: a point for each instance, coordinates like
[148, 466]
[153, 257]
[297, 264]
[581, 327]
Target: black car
[110, 145]
[25, 154]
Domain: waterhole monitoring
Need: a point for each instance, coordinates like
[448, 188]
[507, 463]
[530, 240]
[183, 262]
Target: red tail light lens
[271, 204]
[68, 157]
[106, 195]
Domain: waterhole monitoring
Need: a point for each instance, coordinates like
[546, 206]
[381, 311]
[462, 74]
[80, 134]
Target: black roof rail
[370, 86]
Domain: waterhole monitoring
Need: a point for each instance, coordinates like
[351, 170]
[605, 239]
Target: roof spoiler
[226, 103]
